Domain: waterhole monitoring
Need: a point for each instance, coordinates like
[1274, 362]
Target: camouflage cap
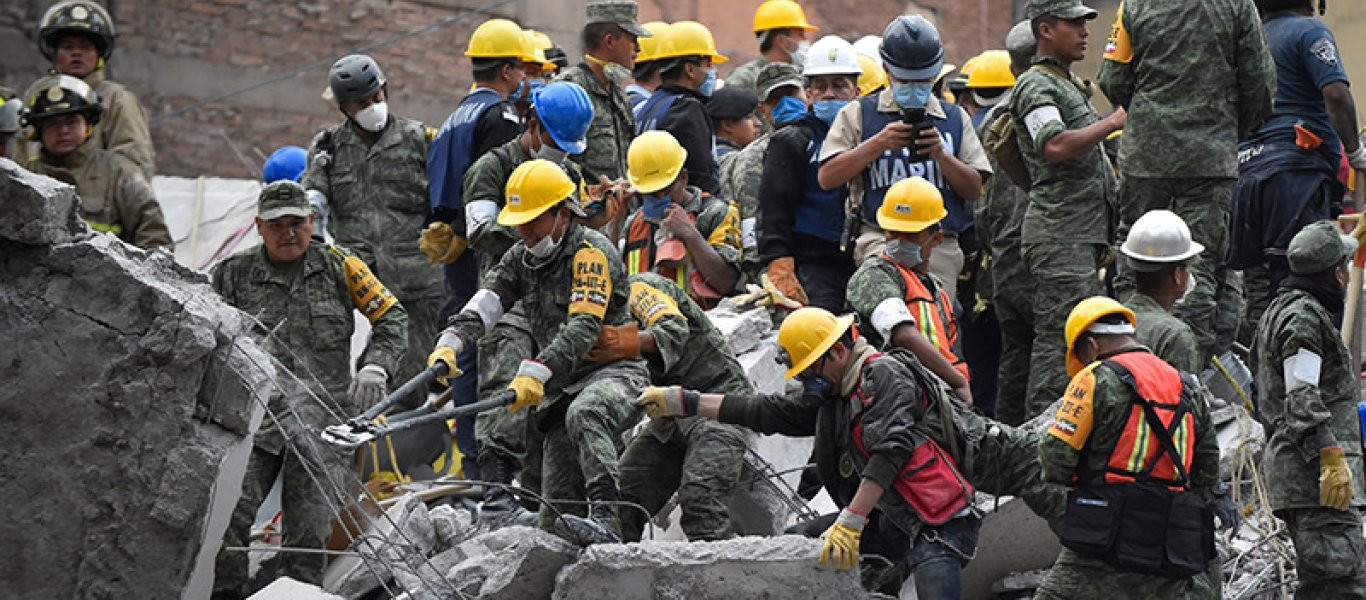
[283, 198]
[1318, 247]
[1062, 9]
[775, 75]
[621, 12]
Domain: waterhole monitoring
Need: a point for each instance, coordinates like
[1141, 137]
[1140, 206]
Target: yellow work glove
[616, 342]
[1335, 479]
[440, 244]
[448, 346]
[672, 401]
[529, 384]
[841, 540]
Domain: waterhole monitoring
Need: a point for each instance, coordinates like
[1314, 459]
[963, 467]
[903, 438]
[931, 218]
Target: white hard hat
[1157, 238]
[831, 55]
[868, 46]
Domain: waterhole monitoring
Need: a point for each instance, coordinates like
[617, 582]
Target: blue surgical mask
[912, 95]
[904, 252]
[709, 85]
[652, 206]
[517, 95]
[788, 109]
[827, 109]
[533, 87]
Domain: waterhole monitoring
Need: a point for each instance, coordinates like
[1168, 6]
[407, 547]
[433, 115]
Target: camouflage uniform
[998, 217]
[1169, 337]
[744, 76]
[1078, 576]
[612, 129]
[1164, 63]
[574, 433]
[741, 175]
[115, 197]
[1067, 226]
[376, 188]
[1328, 542]
[878, 279]
[309, 308]
[697, 457]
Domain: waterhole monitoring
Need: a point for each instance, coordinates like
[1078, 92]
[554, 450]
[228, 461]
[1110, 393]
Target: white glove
[1358, 159]
[368, 386]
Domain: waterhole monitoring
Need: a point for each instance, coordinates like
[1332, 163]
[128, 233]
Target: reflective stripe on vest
[933, 319]
[451, 151]
[821, 212]
[1138, 447]
[894, 165]
[113, 228]
[653, 110]
[640, 254]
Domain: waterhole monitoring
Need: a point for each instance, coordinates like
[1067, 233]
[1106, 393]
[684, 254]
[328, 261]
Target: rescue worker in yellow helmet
[872, 78]
[115, 197]
[901, 303]
[681, 232]
[645, 75]
[1134, 440]
[782, 30]
[687, 55]
[867, 411]
[988, 82]
[571, 282]
[78, 37]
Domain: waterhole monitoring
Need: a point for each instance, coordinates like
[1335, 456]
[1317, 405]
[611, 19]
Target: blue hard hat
[566, 112]
[911, 49]
[287, 162]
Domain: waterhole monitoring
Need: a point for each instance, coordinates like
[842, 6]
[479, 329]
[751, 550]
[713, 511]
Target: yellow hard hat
[533, 188]
[500, 38]
[540, 40]
[654, 160]
[807, 333]
[991, 69]
[781, 14]
[1084, 315]
[911, 205]
[688, 38]
[536, 51]
[872, 77]
[649, 45]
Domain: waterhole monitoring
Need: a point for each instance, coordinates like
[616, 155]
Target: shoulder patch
[1325, 51]
[592, 283]
[1119, 47]
[727, 232]
[1072, 423]
[368, 295]
[649, 304]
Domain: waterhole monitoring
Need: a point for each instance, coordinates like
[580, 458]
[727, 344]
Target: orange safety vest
[640, 258]
[1139, 450]
[933, 317]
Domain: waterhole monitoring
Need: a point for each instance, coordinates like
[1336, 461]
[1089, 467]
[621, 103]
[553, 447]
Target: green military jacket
[308, 307]
[377, 198]
[741, 175]
[745, 76]
[690, 351]
[115, 197]
[1301, 421]
[486, 181]
[1169, 337]
[1069, 202]
[1094, 414]
[1196, 77]
[878, 279]
[612, 129]
[567, 298]
[1000, 212]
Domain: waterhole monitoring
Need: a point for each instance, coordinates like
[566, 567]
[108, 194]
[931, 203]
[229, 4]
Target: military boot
[602, 525]
[500, 507]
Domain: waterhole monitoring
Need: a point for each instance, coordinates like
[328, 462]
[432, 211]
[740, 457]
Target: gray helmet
[911, 49]
[355, 76]
[77, 17]
[9, 116]
[1157, 239]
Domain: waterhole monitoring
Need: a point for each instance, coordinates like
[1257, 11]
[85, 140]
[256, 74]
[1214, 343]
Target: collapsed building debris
[130, 398]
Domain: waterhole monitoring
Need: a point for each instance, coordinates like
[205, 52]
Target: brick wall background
[177, 53]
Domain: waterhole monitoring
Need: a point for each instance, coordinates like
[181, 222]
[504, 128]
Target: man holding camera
[901, 132]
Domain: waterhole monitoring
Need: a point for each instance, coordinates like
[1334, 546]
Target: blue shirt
[1307, 59]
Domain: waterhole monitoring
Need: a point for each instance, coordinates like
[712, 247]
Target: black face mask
[1326, 289]
[815, 384]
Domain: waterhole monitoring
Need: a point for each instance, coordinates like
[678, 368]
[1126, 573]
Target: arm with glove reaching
[767, 414]
[841, 547]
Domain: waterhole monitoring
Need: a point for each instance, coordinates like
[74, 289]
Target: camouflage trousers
[1329, 551]
[1260, 283]
[1203, 203]
[1075, 576]
[576, 438]
[1007, 464]
[1063, 275]
[1012, 297]
[698, 458]
[307, 510]
[501, 351]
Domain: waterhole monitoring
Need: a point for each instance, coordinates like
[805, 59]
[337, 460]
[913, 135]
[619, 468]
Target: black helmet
[61, 95]
[355, 76]
[911, 49]
[76, 17]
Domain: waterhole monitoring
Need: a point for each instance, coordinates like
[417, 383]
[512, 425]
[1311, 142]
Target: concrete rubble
[130, 398]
